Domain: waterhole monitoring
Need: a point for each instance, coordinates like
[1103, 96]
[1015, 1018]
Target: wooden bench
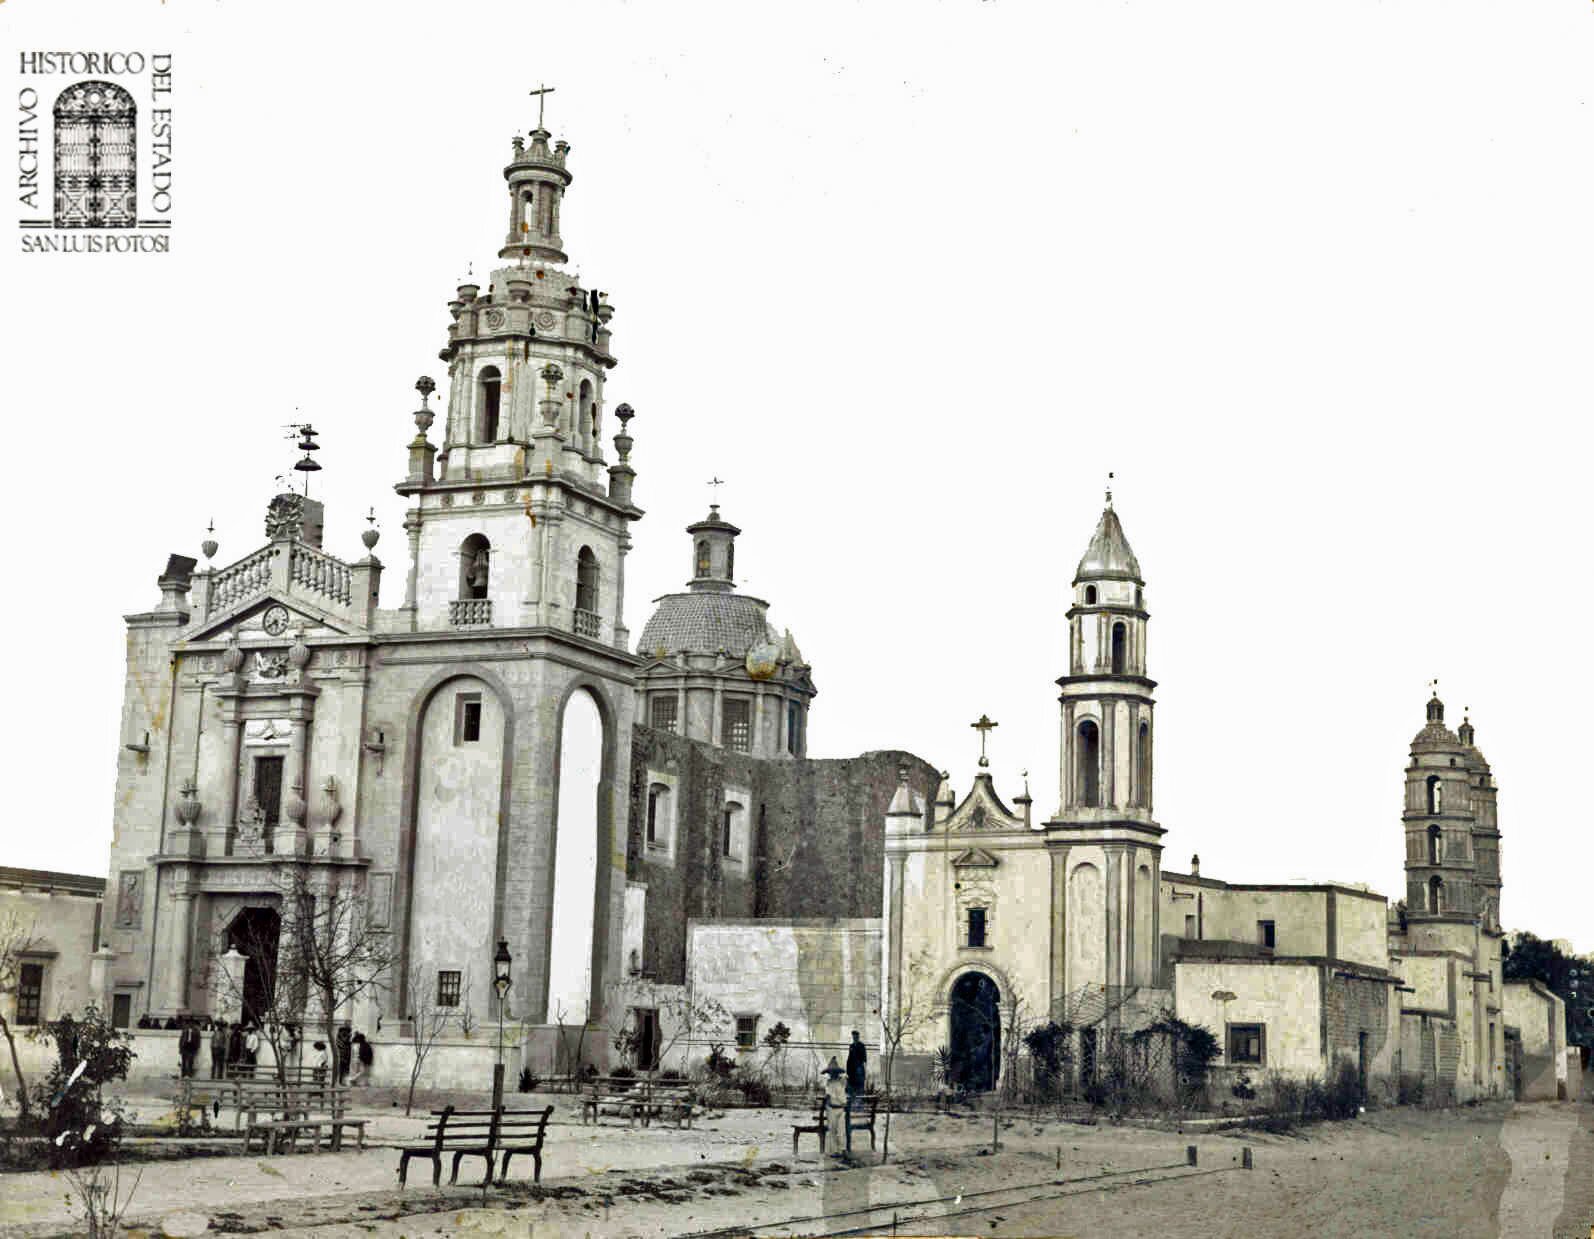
[817, 1127]
[861, 1115]
[478, 1133]
[615, 1095]
[677, 1102]
[291, 1110]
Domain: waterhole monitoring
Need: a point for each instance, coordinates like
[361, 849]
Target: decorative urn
[188, 804]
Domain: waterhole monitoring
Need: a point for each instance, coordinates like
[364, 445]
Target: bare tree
[681, 1016]
[323, 955]
[16, 940]
[427, 1021]
[902, 1014]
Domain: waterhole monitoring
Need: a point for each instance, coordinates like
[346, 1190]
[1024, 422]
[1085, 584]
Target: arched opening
[1090, 595]
[1143, 948]
[254, 934]
[474, 554]
[703, 558]
[588, 416]
[1143, 766]
[575, 874]
[1087, 780]
[587, 592]
[976, 1034]
[658, 827]
[1086, 927]
[731, 844]
[528, 210]
[1436, 894]
[488, 384]
[95, 157]
[1120, 649]
[730, 561]
[1436, 794]
[1435, 844]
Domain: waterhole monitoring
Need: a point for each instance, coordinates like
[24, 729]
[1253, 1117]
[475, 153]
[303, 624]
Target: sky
[1311, 280]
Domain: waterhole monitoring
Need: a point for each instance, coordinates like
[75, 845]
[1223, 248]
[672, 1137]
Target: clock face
[276, 620]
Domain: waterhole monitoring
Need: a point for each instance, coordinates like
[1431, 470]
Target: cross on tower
[541, 94]
[984, 728]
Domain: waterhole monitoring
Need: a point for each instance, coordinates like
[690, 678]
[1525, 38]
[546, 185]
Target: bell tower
[1442, 879]
[1107, 854]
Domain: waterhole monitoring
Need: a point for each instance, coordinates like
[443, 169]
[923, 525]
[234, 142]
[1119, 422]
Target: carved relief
[285, 516]
[130, 899]
[268, 731]
[270, 665]
[381, 900]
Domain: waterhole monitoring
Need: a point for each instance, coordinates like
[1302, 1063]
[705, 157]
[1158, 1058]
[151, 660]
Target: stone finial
[232, 658]
[371, 535]
[1195, 866]
[209, 547]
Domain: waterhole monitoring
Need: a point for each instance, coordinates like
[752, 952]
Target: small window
[587, 581]
[662, 711]
[1265, 934]
[976, 926]
[1248, 1044]
[746, 1032]
[738, 719]
[1088, 785]
[703, 558]
[448, 989]
[490, 384]
[474, 561]
[30, 993]
[467, 718]
[658, 823]
[1436, 795]
[1435, 845]
[794, 729]
[731, 846]
[121, 1010]
[1090, 595]
[1190, 925]
[1436, 894]
[1120, 649]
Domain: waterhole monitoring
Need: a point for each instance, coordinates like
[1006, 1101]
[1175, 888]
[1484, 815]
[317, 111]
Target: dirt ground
[1480, 1171]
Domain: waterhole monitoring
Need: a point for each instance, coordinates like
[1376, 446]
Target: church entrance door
[976, 1032]
[253, 934]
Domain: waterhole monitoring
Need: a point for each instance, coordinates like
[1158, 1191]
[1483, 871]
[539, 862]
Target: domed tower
[1106, 839]
[1441, 865]
[715, 668]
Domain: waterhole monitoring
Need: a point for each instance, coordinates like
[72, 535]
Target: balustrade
[466, 612]
[587, 623]
[243, 580]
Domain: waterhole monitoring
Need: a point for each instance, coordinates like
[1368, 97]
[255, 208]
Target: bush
[754, 1090]
[624, 1072]
[82, 1126]
[529, 1080]
[1242, 1087]
[719, 1064]
[671, 1076]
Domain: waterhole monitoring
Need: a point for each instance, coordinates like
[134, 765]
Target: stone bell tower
[1452, 859]
[1106, 849]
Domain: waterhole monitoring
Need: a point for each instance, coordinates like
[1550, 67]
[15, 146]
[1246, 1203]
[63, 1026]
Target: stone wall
[815, 832]
[1353, 1006]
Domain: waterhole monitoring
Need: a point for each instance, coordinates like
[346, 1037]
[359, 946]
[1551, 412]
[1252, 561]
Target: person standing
[319, 1062]
[857, 1065]
[362, 1060]
[835, 1107]
[218, 1050]
[252, 1045]
[188, 1048]
[345, 1046]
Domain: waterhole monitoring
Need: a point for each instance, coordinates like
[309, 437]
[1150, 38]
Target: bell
[307, 465]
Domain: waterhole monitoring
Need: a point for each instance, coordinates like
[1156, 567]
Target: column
[412, 531]
[180, 927]
[221, 832]
[100, 979]
[1109, 754]
[1113, 881]
[716, 724]
[758, 720]
[1059, 935]
[895, 980]
[682, 727]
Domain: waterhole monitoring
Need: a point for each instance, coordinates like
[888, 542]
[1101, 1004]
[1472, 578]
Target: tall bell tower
[1107, 854]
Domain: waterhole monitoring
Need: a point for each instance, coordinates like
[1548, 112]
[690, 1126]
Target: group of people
[842, 1084]
[239, 1042]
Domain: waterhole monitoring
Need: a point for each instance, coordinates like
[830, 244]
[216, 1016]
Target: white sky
[1313, 279]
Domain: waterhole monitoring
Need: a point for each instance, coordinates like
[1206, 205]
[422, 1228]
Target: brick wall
[1352, 1007]
[816, 831]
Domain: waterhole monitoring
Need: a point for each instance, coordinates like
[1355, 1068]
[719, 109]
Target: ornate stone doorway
[976, 1040]
[253, 934]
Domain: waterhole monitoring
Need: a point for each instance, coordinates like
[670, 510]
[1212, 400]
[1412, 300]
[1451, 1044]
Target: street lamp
[503, 963]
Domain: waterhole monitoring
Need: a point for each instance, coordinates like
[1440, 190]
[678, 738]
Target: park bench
[817, 1127]
[672, 1101]
[861, 1115]
[280, 1113]
[615, 1095]
[261, 1071]
[478, 1133]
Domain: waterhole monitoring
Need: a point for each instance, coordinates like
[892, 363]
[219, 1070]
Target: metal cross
[542, 93]
[984, 728]
[716, 483]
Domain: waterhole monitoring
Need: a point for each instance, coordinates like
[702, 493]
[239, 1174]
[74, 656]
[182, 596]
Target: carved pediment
[271, 618]
[974, 858]
[982, 809]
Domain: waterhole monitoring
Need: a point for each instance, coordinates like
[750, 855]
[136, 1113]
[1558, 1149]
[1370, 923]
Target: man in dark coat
[345, 1044]
[218, 1051]
[188, 1048]
[857, 1064]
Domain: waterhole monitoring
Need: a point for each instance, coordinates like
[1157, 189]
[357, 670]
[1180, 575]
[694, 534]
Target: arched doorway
[976, 1040]
[253, 934]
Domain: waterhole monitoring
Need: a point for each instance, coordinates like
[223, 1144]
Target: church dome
[1108, 555]
[705, 623]
[1435, 736]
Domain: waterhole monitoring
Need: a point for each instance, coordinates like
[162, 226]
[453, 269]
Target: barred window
[738, 719]
[746, 1032]
[662, 712]
[448, 989]
[30, 993]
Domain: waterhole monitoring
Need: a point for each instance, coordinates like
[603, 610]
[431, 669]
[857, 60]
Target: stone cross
[541, 93]
[984, 728]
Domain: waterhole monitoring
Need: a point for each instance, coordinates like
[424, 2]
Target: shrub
[1242, 1087]
[754, 1090]
[720, 1064]
[671, 1075]
[82, 1126]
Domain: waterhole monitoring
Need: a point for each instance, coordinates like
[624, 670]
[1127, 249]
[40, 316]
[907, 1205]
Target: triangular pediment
[269, 617]
[974, 858]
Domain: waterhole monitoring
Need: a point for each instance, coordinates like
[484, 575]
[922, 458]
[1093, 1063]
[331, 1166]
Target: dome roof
[705, 623]
[1108, 554]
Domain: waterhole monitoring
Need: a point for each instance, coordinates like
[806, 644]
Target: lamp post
[502, 964]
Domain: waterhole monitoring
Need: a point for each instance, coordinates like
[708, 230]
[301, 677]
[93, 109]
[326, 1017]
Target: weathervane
[305, 433]
[1109, 488]
[541, 93]
[984, 728]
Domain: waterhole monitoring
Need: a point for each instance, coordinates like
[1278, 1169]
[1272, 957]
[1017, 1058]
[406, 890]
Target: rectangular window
[1189, 925]
[1248, 1044]
[268, 789]
[30, 993]
[448, 989]
[738, 719]
[976, 926]
[662, 711]
[1265, 935]
[467, 718]
[746, 1032]
[653, 817]
[121, 1010]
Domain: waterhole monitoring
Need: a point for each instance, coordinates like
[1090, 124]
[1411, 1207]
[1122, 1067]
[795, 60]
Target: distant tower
[1452, 832]
[1104, 831]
